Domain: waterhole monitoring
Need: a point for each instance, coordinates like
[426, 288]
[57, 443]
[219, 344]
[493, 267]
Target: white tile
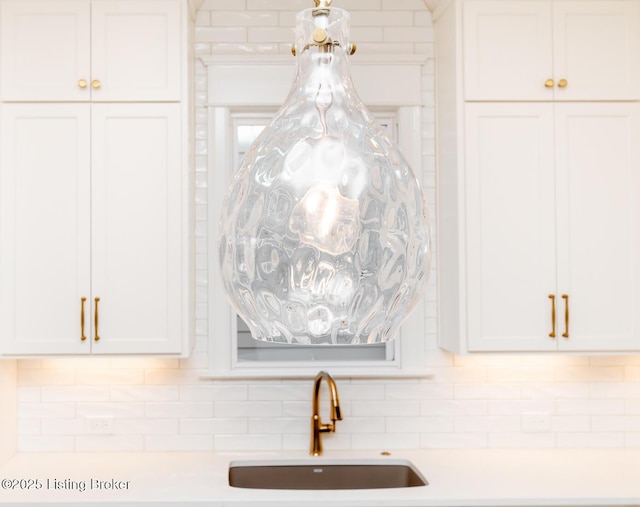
[284, 392]
[38, 443]
[418, 391]
[282, 425]
[615, 423]
[550, 390]
[590, 374]
[486, 391]
[28, 394]
[223, 5]
[29, 427]
[511, 407]
[591, 440]
[178, 409]
[277, 5]
[127, 426]
[453, 440]
[144, 393]
[570, 423]
[522, 440]
[386, 18]
[108, 377]
[522, 374]
[270, 34]
[248, 409]
[589, 407]
[247, 442]
[453, 407]
[417, 5]
[213, 426]
[383, 441]
[111, 443]
[75, 393]
[46, 377]
[488, 424]
[178, 443]
[220, 34]
[228, 392]
[73, 426]
[386, 408]
[244, 18]
[46, 410]
[110, 409]
[358, 424]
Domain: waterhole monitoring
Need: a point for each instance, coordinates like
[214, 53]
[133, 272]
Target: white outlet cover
[100, 425]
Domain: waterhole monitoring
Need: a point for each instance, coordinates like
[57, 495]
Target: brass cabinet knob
[562, 83]
[82, 83]
[549, 83]
[96, 84]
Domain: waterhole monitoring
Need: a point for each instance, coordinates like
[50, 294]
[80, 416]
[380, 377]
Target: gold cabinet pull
[83, 337]
[549, 83]
[566, 316]
[96, 319]
[552, 297]
[562, 83]
[96, 84]
[82, 83]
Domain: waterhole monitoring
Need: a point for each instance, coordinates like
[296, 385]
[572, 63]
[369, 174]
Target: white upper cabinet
[539, 221]
[563, 50]
[81, 50]
[45, 233]
[553, 226]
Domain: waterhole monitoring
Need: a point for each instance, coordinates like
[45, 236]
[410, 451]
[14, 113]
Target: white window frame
[391, 85]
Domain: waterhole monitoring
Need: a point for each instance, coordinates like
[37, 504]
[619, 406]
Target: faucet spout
[317, 427]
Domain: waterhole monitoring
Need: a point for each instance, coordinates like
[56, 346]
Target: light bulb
[324, 228]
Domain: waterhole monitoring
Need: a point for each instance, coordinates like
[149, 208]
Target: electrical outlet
[536, 422]
[100, 425]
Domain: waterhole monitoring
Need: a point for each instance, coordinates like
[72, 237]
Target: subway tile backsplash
[469, 402]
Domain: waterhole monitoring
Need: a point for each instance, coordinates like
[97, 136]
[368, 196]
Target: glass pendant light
[324, 228]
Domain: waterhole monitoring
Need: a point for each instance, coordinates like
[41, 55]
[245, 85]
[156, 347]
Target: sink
[322, 473]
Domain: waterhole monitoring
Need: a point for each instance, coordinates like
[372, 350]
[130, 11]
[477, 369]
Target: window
[235, 119]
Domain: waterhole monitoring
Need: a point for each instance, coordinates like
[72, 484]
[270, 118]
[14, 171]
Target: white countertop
[456, 478]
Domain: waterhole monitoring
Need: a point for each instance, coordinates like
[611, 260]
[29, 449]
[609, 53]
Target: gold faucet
[316, 424]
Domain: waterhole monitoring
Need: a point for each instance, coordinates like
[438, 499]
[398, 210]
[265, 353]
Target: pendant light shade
[324, 228]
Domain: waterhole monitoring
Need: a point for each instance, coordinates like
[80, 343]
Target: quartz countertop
[572, 477]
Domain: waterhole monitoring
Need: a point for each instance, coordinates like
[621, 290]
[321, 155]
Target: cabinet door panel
[510, 226]
[599, 223]
[45, 50]
[45, 237]
[507, 50]
[136, 236]
[136, 50]
[597, 50]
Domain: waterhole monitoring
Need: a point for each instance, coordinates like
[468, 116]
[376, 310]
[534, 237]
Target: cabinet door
[507, 50]
[599, 224]
[597, 50]
[45, 50]
[136, 48]
[137, 239]
[44, 228]
[510, 231]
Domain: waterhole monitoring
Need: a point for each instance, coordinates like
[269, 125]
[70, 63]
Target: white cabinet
[95, 198]
[92, 231]
[562, 50]
[539, 230]
[552, 220]
[81, 50]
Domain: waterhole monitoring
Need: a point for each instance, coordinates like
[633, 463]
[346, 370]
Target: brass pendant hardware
[83, 337]
[549, 83]
[320, 36]
[351, 49]
[96, 84]
[566, 316]
[562, 83]
[552, 297]
[293, 49]
[322, 3]
[96, 319]
[82, 84]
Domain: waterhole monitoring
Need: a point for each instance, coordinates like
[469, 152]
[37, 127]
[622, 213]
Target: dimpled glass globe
[324, 234]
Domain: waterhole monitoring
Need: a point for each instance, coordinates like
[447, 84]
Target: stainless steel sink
[322, 473]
